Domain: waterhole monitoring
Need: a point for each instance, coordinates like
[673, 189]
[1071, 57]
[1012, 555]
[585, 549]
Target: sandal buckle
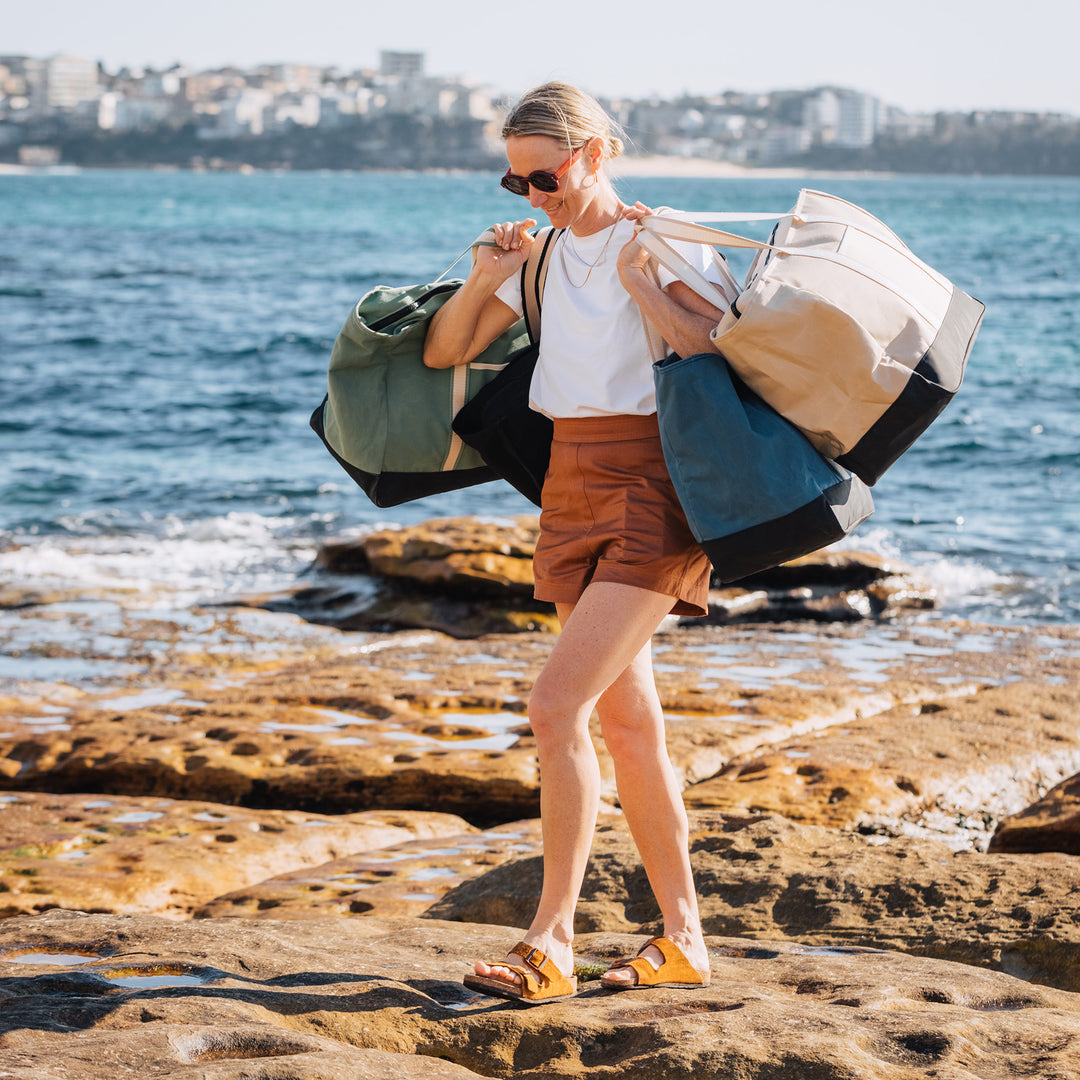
[528, 957]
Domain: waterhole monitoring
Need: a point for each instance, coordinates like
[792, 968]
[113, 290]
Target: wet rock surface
[468, 576]
[426, 722]
[277, 991]
[230, 1051]
[167, 856]
[465, 577]
[929, 764]
[398, 880]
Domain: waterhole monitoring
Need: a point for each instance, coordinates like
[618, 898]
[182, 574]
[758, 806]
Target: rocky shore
[270, 835]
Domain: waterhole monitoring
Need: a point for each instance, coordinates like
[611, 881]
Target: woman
[615, 554]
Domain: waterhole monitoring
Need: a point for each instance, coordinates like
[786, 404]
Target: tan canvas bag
[840, 328]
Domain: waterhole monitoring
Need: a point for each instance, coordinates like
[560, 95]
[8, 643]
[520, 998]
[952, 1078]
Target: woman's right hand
[514, 244]
[474, 316]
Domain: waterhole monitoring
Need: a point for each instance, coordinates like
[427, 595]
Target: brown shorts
[610, 513]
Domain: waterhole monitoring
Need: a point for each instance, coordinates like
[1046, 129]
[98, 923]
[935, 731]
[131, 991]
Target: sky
[921, 55]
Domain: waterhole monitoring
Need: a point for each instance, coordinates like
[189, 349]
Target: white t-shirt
[594, 357]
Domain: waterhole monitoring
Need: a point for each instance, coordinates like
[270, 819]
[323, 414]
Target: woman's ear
[596, 154]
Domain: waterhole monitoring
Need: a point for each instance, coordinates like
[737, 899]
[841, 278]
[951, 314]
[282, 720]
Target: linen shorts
[609, 513]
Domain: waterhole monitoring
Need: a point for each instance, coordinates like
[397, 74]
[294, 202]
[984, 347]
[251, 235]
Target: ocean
[164, 337]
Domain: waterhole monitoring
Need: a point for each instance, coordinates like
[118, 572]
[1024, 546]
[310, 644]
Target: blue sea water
[164, 337]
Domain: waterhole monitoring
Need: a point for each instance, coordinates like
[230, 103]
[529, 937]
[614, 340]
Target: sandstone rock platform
[1050, 824]
[765, 877]
[139, 996]
[296, 839]
[168, 857]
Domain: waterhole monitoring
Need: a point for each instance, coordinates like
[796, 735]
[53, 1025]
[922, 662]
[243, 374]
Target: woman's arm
[474, 316]
[682, 317]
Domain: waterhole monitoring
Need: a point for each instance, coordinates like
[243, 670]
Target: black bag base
[815, 525]
[393, 488]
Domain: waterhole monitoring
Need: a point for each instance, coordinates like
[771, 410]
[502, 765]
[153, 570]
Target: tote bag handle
[485, 239]
[651, 231]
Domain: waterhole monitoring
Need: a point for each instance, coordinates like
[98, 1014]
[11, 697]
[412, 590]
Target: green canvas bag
[387, 417]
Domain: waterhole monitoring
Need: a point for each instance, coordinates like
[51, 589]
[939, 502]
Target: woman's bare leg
[632, 723]
[602, 634]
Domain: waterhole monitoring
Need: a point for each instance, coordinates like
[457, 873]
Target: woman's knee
[632, 728]
[555, 713]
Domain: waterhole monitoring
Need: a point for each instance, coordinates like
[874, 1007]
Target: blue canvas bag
[754, 490]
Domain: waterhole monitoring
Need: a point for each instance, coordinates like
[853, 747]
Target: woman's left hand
[633, 258]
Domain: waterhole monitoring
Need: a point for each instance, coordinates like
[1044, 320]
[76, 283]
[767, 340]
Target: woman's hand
[680, 316]
[514, 242]
[474, 316]
[633, 258]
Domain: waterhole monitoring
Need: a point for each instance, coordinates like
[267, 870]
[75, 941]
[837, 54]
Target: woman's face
[530, 153]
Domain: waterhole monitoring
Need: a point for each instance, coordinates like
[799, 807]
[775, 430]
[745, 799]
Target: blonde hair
[567, 114]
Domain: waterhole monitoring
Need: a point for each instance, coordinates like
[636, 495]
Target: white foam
[954, 578]
[193, 560]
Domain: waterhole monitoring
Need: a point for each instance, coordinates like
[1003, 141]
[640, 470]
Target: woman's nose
[537, 198]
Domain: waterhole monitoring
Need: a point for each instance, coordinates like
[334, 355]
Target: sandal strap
[538, 963]
[536, 959]
[675, 968]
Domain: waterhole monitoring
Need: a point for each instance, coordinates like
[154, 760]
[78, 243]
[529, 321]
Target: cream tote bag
[840, 328]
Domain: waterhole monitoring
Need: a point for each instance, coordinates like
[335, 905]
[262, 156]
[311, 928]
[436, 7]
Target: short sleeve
[509, 292]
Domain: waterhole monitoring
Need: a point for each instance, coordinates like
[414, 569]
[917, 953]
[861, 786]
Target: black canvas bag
[513, 439]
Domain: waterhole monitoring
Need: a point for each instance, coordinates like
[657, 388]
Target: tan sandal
[675, 971]
[541, 980]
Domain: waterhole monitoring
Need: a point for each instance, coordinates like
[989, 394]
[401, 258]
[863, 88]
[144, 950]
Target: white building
[336, 103]
[434, 97]
[821, 116]
[69, 81]
[779, 143]
[859, 120]
[842, 118]
[121, 112]
[902, 125]
[163, 84]
[401, 65]
[240, 113]
[300, 109]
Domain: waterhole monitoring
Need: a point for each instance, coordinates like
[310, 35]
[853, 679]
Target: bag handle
[727, 239]
[684, 270]
[534, 277]
[485, 239]
[534, 274]
[683, 228]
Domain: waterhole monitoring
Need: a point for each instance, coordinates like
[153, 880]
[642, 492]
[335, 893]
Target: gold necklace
[599, 258]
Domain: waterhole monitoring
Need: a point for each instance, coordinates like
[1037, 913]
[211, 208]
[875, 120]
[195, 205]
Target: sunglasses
[547, 182]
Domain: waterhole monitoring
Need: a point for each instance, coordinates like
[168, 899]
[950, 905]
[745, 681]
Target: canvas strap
[532, 292]
[535, 276]
[652, 231]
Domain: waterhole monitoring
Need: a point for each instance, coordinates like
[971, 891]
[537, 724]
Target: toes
[496, 971]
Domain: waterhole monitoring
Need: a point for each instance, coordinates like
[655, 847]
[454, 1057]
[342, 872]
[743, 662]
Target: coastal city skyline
[71, 110]
[958, 56]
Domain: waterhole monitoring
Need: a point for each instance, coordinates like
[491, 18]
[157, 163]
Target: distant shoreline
[654, 167]
[624, 167]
